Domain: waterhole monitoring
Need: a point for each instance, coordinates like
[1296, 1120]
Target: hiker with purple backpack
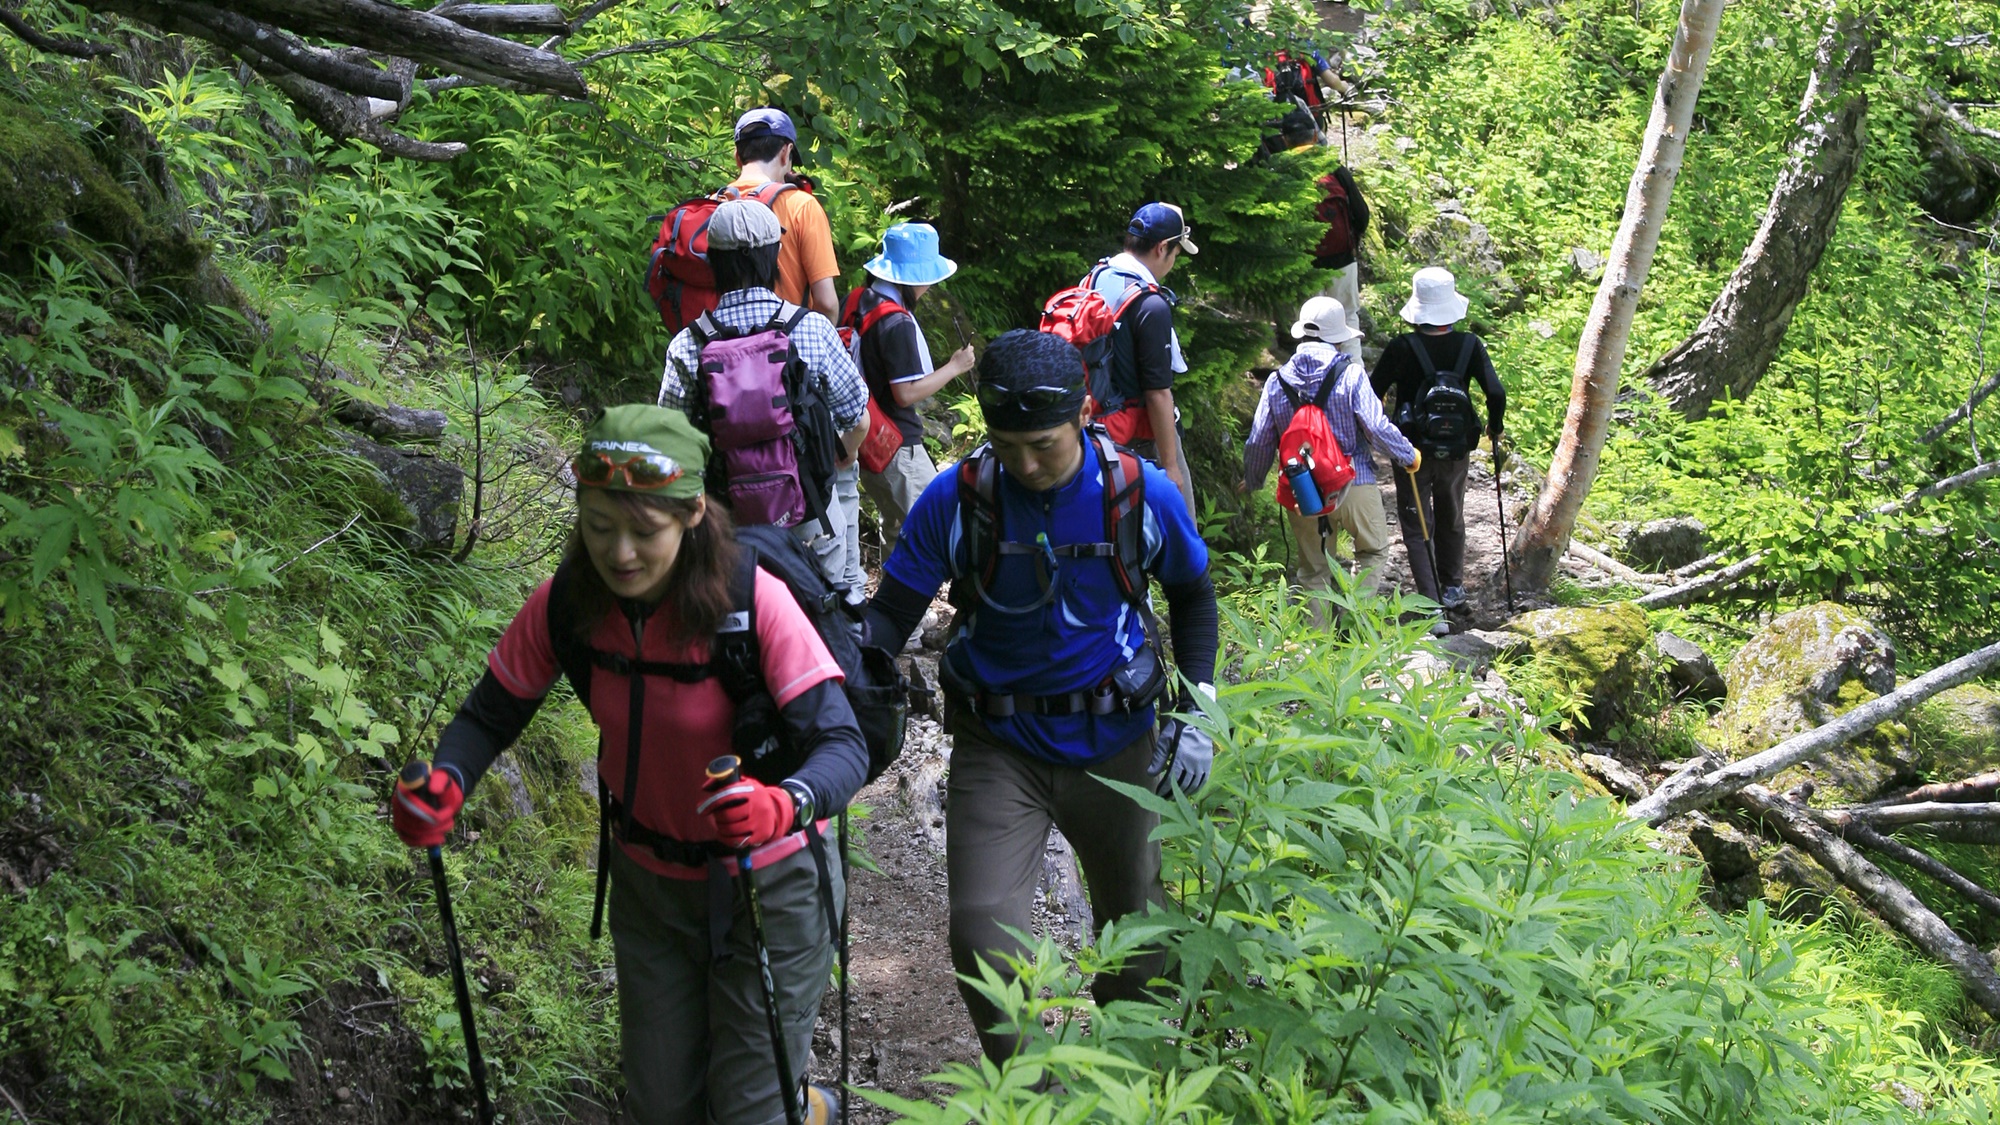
[774, 389]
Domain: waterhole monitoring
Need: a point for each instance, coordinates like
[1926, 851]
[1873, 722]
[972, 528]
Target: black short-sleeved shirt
[1399, 370]
[892, 352]
[1148, 363]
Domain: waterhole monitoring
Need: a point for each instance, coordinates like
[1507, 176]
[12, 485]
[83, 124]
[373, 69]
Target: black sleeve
[1395, 370]
[1195, 627]
[892, 613]
[1152, 321]
[895, 341]
[1489, 382]
[488, 722]
[1357, 207]
[821, 720]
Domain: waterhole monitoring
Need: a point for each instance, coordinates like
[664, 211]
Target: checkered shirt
[1352, 401]
[827, 362]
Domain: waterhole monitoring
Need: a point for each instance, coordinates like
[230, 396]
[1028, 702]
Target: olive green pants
[999, 804]
[695, 1040]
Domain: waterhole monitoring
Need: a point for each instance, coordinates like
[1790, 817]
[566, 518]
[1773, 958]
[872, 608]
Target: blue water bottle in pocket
[1305, 491]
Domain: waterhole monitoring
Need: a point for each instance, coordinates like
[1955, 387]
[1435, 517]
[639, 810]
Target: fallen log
[1701, 587]
[1612, 566]
[1857, 833]
[1924, 812]
[1680, 794]
[1977, 787]
[1880, 891]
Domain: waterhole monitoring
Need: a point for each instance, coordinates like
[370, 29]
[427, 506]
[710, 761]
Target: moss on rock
[1602, 651]
[1956, 733]
[50, 184]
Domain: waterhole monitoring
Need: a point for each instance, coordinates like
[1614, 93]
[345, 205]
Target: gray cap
[743, 224]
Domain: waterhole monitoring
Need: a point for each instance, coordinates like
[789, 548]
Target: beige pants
[1344, 285]
[1360, 515]
[895, 490]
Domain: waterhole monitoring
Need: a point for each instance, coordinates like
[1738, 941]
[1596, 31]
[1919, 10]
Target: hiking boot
[1454, 597]
[1440, 628]
[822, 1106]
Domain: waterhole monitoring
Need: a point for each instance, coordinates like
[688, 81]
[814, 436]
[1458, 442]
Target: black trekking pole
[724, 771]
[1500, 499]
[412, 780]
[846, 873]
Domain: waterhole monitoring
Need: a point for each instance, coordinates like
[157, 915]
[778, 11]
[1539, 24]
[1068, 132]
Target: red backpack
[678, 276]
[1333, 211]
[885, 437]
[1309, 437]
[1082, 315]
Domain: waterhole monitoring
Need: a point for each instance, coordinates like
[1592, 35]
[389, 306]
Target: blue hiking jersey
[1081, 635]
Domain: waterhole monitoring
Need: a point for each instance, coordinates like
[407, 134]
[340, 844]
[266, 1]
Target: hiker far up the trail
[1145, 350]
[1345, 213]
[773, 387]
[767, 151]
[1317, 409]
[895, 360]
[648, 591]
[1431, 371]
[1054, 676]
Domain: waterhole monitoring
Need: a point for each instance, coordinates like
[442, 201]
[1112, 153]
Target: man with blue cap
[767, 151]
[896, 362]
[1051, 537]
[1146, 352]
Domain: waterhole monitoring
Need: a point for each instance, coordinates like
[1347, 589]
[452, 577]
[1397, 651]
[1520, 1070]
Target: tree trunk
[1540, 542]
[1735, 343]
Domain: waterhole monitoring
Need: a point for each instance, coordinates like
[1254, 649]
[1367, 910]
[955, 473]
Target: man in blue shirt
[1052, 678]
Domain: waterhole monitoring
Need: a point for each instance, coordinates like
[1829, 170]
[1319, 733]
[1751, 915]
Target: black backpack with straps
[874, 685]
[1442, 421]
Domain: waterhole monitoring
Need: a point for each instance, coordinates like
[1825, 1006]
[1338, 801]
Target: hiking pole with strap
[724, 771]
[1430, 549]
[1500, 500]
[846, 873]
[412, 780]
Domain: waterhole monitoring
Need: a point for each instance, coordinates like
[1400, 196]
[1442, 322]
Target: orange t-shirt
[806, 253]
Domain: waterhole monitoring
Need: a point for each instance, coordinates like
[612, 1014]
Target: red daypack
[1333, 210]
[678, 276]
[885, 437]
[1309, 437]
[1082, 315]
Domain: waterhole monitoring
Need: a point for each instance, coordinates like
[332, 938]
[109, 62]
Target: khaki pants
[895, 490]
[1360, 515]
[1344, 285]
[695, 1042]
[999, 805]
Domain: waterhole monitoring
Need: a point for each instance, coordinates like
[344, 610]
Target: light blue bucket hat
[910, 256]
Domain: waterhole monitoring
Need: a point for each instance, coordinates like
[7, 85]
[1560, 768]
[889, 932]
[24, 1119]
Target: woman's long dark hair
[697, 597]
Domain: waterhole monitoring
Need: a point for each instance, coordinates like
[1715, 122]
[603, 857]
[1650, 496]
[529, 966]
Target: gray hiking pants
[1441, 491]
[695, 1043]
[999, 805]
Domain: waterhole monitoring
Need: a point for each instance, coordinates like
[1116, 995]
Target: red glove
[423, 813]
[746, 812]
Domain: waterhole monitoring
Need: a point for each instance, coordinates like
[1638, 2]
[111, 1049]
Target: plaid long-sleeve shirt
[747, 310]
[1351, 408]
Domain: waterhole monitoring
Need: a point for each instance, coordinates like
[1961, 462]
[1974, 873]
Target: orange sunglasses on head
[645, 471]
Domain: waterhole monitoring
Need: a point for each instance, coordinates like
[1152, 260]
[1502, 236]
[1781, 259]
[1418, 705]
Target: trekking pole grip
[725, 769]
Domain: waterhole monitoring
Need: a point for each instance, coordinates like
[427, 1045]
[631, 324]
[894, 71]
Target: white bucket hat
[1324, 319]
[1434, 298]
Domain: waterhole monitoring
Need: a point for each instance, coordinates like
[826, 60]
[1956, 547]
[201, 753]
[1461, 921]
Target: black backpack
[1441, 421]
[875, 686]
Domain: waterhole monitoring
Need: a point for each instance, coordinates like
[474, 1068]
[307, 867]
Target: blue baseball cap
[766, 122]
[1162, 222]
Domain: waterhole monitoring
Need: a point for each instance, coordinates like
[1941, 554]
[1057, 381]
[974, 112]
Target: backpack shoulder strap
[571, 656]
[1334, 372]
[1124, 512]
[768, 192]
[787, 318]
[1464, 357]
[704, 329]
[1292, 396]
[1423, 357]
[979, 512]
[735, 653]
[884, 308]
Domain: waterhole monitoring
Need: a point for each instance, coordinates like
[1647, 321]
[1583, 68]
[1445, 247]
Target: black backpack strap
[1124, 512]
[1464, 358]
[1423, 357]
[735, 652]
[1327, 381]
[979, 514]
[1291, 395]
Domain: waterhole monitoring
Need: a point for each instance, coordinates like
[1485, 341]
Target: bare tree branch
[1925, 812]
[345, 116]
[1883, 893]
[1908, 856]
[1980, 786]
[1964, 411]
[238, 33]
[74, 48]
[1678, 794]
[506, 19]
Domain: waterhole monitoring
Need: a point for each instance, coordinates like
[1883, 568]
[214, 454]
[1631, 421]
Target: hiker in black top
[1439, 486]
[1147, 354]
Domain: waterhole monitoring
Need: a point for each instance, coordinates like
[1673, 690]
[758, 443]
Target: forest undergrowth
[216, 647]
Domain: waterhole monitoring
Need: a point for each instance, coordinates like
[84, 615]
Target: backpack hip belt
[1115, 694]
[667, 849]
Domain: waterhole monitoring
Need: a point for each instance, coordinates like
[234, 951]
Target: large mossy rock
[1806, 668]
[1602, 651]
[415, 492]
[1956, 733]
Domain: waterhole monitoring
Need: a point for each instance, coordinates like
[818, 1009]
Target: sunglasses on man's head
[1027, 398]
[595, 468]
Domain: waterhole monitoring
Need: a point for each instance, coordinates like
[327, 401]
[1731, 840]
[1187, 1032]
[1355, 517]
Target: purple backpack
[773, 435]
